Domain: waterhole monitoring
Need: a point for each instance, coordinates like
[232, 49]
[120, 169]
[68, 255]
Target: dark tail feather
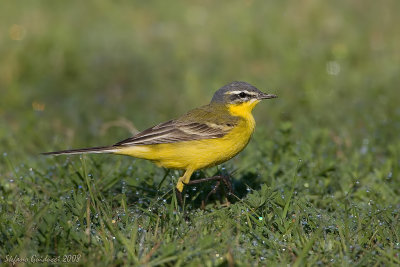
[100, 149]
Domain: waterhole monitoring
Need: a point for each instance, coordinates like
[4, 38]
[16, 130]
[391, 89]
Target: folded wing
[201, 123]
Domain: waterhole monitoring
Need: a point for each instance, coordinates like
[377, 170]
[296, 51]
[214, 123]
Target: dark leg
[179, 197]
[180, 200]
[213, 191]
[219, 178]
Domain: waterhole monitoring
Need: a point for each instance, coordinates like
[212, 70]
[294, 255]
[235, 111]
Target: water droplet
[333, 68]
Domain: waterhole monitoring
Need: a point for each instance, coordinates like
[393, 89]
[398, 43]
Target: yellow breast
[203, 153]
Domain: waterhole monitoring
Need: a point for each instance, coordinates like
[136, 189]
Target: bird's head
[240, 95]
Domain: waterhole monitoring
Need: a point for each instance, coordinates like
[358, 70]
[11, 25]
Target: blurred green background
[87, 73]
[68, 68]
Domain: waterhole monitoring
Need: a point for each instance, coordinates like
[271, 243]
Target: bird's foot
[225, 179]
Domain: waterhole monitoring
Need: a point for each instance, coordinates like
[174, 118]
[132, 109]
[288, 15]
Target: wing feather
[201, 123]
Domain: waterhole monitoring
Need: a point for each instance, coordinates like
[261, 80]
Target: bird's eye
[242, 95]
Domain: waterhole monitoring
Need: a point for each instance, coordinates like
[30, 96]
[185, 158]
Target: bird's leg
[181, 182]
[219, 178]
[213, 191]
[179, 197]
[184, 180]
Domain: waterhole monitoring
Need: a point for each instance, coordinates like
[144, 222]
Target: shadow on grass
[196, 194]
[147, 193]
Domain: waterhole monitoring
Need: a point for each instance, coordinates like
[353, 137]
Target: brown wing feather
[201, 123]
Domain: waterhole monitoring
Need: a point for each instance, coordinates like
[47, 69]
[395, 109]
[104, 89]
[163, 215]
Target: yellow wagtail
[203, 137]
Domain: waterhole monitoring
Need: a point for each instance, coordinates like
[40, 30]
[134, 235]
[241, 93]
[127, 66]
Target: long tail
[100, 149]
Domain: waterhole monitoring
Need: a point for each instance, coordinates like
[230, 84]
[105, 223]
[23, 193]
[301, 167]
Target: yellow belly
[195, 154]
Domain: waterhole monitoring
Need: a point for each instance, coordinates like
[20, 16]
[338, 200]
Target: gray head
[239, 92]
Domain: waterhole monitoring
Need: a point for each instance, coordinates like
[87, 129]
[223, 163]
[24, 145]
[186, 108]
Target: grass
[317, 185]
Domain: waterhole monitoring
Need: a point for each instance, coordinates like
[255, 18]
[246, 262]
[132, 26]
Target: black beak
[266, 96]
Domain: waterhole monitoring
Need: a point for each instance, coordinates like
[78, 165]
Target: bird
[203, 137]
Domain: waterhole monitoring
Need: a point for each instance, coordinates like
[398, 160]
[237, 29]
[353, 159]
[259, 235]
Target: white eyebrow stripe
[238, 92]
[233, 92]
